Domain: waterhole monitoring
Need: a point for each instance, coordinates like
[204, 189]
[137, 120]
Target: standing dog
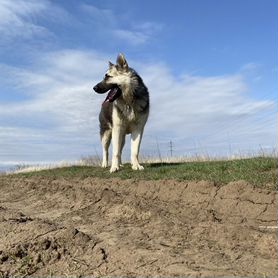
[125, 110]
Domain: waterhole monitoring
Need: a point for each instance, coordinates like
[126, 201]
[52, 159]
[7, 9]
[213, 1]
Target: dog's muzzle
[96, 88]
[113, 91]
[102, 88]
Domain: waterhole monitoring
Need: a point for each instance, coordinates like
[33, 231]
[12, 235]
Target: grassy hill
[260, 171]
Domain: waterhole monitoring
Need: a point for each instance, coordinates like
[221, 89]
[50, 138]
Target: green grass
[259, 171]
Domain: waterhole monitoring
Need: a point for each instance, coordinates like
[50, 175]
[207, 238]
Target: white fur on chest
[126, 114]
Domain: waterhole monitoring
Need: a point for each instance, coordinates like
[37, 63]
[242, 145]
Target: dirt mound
[136, 228]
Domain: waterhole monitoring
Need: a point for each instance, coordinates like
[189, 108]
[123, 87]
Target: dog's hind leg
[105, 141]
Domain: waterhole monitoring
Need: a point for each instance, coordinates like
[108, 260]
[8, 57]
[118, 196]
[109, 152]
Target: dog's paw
[104, 165]
[137, 167]
[114, 169]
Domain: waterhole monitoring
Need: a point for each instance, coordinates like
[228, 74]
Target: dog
[125, 110]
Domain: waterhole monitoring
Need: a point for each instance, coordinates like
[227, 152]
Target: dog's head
[114, 79]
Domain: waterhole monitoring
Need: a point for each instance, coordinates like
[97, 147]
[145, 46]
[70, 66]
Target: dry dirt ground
[114, 227]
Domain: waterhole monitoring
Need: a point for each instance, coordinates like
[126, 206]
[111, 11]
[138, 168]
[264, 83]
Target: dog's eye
[107, 76]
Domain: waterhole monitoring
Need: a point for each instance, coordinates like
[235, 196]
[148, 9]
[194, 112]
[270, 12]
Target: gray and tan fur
[127, 114]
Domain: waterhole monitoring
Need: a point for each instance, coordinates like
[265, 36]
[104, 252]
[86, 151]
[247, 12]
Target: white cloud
[24, 19]
[121, 28]
[15, 19]
[106, 16]
[139, 34]
[149, 27]
[60, 87]
[59, 119]
[132, 37]
[18, 19]
[214, 112]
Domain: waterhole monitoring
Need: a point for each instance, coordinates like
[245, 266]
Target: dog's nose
[96, 88]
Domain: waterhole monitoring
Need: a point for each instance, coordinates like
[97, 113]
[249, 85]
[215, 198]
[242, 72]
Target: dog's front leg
[117, 141]
[136, 137]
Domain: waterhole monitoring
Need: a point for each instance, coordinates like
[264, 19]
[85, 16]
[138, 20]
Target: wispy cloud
[207, 110]
[122, 28]
[27, 19]
[19, 19]
[106, 16]
[139, 34]
[16, 19]
[132, 37]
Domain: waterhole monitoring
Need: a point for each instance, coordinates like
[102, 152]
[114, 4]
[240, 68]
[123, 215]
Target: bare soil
[113, 227]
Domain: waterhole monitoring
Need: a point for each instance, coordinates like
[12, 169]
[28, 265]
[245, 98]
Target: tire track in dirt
[126, 227]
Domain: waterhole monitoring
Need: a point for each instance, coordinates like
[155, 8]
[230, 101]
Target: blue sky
[210, 65]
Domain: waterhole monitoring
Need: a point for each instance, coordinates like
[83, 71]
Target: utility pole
[171, 148]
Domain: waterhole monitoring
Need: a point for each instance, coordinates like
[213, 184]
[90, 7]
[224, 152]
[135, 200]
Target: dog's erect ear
[121, 62]
[110, 64]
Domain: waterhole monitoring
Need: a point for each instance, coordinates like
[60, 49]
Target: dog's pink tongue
[112, 95]
[109, 96]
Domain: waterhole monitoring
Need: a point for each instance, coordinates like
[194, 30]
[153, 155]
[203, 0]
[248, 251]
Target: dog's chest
[125, 112]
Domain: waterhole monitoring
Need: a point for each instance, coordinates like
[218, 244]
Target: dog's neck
[128, 92]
